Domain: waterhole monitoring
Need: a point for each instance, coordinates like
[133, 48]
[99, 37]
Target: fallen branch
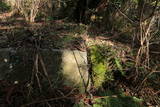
[47, 100]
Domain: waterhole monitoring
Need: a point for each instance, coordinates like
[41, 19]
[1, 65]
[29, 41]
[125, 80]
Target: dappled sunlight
[78, 53]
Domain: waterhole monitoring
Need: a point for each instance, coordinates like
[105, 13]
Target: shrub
[104, 62]
[3, 7]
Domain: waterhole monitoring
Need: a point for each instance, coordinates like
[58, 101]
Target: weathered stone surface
[74, 64]
[68, 67]
[4, 65]
[65, 67]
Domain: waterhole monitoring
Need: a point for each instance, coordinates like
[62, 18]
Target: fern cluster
[104, 62]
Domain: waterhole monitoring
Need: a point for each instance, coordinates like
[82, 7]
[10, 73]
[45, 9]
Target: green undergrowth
[111, 98]
[4, 7]
[116, 98]
[119, 101]
[104, 61]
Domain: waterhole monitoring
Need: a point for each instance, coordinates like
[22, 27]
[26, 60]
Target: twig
[124, 15]
[36, 68]
[153, 11]
[47, 100]
[44, 69]
[154, 52]
[146, 79]
[80, 72]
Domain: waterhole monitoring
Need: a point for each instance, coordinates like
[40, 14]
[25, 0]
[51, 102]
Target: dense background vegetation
[121, 37]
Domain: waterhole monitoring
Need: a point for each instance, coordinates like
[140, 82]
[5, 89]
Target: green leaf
[119, 66]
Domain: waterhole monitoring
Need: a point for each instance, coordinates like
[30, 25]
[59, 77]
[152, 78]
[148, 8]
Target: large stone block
[75, 70]
[64, 67]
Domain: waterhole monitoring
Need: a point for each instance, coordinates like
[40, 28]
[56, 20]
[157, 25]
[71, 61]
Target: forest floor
[60, 34]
